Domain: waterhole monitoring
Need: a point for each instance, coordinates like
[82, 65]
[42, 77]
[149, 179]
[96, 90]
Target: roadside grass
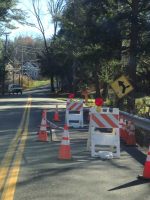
[142, 104]
[31, 84]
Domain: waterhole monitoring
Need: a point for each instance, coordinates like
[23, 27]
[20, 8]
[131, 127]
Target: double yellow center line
[10, 165]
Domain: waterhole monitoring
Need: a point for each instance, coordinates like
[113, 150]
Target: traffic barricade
[74, 113]
[94, 110]
[104, 131]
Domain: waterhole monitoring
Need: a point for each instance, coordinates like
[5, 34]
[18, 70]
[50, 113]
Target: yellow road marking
[10, 152]
[10, 186]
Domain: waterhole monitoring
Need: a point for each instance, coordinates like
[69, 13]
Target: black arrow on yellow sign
[121, 84]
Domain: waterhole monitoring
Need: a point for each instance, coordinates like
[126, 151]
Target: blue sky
[24, 30]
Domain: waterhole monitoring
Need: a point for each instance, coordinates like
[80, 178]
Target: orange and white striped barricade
[104, 131]
[74, 113]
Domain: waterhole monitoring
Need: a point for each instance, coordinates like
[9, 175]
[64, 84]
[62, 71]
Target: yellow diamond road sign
[122, 86]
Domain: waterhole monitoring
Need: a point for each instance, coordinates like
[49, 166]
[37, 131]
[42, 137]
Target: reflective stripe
[65, 142]
[148, 158]
[111, 119]
[74, 106]
[97, 121]
[105, 120]
[148, 155]
[43, 122]
[121, 121]
[43, 128]
[65, 133]
[79, 107]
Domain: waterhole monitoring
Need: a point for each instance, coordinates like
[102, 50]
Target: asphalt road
[31, 170]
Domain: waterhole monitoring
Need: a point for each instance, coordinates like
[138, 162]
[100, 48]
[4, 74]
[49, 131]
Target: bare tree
[55, 8]
[37, 14]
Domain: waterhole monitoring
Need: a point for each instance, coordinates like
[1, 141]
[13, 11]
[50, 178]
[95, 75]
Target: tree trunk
[132, 64]
[96, 80]
[52, 83]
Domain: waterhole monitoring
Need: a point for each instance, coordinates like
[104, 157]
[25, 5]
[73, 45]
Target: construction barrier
[95, 110]
[127, 131]
[104, 131]
[74, 113]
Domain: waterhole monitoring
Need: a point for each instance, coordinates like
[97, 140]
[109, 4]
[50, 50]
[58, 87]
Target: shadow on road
[135, 153]
[130, 184]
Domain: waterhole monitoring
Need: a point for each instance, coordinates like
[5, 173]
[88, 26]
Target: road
[31, 170]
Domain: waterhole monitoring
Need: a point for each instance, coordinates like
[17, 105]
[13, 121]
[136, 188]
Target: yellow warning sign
[121, 86]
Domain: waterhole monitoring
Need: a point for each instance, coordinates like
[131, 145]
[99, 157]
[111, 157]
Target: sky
[25, 30]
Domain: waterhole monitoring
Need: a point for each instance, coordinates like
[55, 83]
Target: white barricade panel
[74, 113]
[102, 141]
[104, 130]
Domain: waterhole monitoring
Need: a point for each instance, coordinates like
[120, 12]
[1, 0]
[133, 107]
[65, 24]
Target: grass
[39, 83]
[142, 104]
[31, 84]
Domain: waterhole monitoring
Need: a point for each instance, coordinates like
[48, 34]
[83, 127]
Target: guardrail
[139, 121]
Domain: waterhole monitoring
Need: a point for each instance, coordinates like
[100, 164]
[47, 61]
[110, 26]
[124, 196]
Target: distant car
[14, 89]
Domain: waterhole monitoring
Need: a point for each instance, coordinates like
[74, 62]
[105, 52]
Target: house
[32, 70]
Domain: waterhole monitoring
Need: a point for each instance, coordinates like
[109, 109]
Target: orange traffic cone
[65, 150]
[56, 115]
[44, 115]
[42, 134]
[131, 141]
[146, 172]
[125, 131]
[121, 125]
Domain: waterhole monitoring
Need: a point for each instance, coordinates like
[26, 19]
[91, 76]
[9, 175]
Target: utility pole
[13, 76]
[22, 67]
[4, 63]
